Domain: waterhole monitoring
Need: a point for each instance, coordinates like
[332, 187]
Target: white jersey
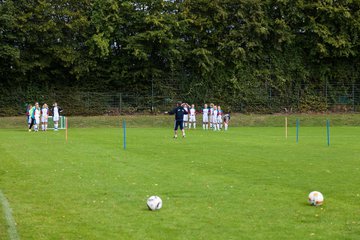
[44, 114]
[37, 115]
[192, 115]
[211, 114]
[56, 114]
[205, 115]
[219, 116]
[215, 113]
[186, 116]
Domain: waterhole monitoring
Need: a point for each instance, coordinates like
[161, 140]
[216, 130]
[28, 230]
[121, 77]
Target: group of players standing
[35, 114]
[213, 117]
[185, 116]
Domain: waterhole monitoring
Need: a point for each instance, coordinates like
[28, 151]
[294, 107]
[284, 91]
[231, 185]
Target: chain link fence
[304, 98]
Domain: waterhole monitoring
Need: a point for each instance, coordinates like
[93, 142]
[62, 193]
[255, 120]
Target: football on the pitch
[316, 198]
[154, 203]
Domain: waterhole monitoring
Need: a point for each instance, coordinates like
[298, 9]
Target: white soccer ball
[154, 203]
[316, 198]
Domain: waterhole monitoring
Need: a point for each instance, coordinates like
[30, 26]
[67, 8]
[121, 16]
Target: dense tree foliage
[225, 50]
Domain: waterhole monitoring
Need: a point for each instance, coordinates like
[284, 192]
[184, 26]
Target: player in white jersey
[37, 114]
[44, 117]
[192, 119]
[219, 118]
[211, 114]
[205, 113]
[56, 110]
[214, 117]
[186, 116]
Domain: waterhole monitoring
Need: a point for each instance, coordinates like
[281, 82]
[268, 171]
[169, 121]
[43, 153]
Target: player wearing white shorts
[205, 113]
[226, 120]
[214, 117]
[186, 117]
[37, 114]
[211, 114]
[192, 119]
[56, 110]
[44, 117]
[219, 118]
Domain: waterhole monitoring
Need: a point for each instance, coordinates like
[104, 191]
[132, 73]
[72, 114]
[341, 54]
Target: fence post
[326, 95]
[353, 96]
[120, 103]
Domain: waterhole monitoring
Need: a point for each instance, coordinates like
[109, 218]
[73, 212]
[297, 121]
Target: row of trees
[207, 49]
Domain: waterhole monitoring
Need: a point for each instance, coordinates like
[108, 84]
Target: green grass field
[247, 183]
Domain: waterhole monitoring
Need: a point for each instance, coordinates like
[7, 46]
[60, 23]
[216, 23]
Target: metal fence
[263, 99]
[344, 98]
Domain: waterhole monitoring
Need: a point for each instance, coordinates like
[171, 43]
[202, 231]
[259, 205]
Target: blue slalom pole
[124, 127]
[297, 130]
[328, 131]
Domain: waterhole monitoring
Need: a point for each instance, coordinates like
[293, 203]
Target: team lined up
[213, 117]
[35, 114]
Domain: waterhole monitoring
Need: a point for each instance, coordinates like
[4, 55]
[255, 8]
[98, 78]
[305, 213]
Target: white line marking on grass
[13, 235]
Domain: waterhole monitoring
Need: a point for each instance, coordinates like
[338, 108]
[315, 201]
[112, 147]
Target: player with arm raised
[179, 113]
[192, 119]
[205, 113]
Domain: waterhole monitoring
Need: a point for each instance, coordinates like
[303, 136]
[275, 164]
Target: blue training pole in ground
[124, 127]
[297, 130]
[328, 132]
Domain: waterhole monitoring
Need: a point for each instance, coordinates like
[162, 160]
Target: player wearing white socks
[205, 112]
[211, 114]
[186, 117]
[56, 115]
[192, 119]
[214, 118]
[37, 114]
[226, 121]
[44, 117]
[219, 118]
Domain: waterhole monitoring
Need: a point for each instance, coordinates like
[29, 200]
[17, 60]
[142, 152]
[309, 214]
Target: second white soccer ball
[316, 198]
[154, 203]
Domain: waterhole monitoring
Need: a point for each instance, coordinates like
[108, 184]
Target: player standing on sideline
[226, 120]
[205, 113]
[186, 117]
[214, 117]
[28, 117]
[192, 116]
[211, 115]
[56, 110]
[44, 117]
[179, 112]
[37, 113]
[219, 117]
[32, 117]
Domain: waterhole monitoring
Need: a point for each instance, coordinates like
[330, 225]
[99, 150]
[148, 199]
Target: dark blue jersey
[179, 113]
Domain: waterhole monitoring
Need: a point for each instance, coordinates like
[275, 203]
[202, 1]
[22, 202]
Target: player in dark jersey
[179, 113]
